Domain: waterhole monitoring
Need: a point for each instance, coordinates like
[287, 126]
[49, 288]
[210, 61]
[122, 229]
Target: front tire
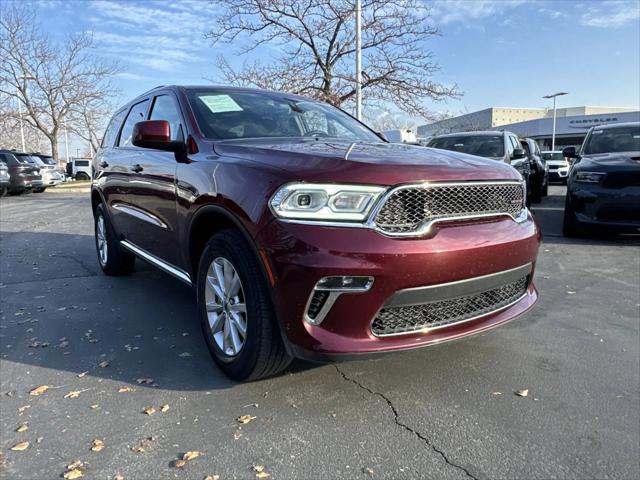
[113, 259]
[236, 313]
[570, 225]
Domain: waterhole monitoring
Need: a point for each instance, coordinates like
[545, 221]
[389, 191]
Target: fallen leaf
[93, 407]
[185, 354]
[19, 447]
[74, 465]
[97, 446]
[178, 464]
[74, 394]
[523, 393]
[22, 428]
[496, 393]
[103, 364]
[149, 411]
[137, 449]
[571, 293]
[245, 418]
[80, 375]
[23, 408]
[39, 390]
[63, 344]
[126, 389]
[190, 456]
[212, 477]
[368, 471]
[72, 474]
[164, 408]
[260, 473]
[118, 477]
[144, 381]
[39, 439]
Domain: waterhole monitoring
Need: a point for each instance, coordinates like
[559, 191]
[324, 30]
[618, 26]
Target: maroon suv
[303, 233]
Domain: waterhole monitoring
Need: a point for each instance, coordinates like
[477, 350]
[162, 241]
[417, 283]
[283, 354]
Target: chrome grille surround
[399, 320]
[411, 210]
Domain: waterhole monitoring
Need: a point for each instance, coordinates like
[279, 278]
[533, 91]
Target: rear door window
[112, 130]
[137, 114]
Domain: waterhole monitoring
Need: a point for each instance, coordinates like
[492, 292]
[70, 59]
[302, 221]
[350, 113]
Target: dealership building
[571, 123]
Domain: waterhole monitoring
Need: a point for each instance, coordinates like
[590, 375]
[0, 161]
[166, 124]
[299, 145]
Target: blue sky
[499, 52]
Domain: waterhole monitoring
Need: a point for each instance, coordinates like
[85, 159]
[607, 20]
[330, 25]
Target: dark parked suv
[303, 233]
[603, 186]
[24, 173]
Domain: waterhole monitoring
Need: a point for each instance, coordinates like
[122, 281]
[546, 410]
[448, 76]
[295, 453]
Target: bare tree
[10, 131]
[88, 120]
[317, 41]
[51, 81]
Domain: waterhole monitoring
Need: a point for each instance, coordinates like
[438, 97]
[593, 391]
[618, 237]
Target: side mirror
[569, 152]
[155, 134]
[518, 153]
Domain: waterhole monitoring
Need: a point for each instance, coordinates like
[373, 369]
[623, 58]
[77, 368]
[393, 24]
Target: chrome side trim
[157, 262]
[431, 329]
[140, 214]
[460, 288]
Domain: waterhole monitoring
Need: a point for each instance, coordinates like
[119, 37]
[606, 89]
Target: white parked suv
[558, 166]
[51, 176]
[79, 168]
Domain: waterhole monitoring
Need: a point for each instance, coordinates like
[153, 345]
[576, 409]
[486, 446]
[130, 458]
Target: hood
[610, 161]
[362, 162]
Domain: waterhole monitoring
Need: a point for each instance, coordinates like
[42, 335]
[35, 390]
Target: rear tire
[261, 351]
[3, 191]
[113, 259]
[82, 176]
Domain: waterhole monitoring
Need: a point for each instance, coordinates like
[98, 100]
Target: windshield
[224, 115]
[552, 156]
[481, 145]
[612, 140]
[47, 160]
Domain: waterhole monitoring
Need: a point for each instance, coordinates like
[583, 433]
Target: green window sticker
[220, 103]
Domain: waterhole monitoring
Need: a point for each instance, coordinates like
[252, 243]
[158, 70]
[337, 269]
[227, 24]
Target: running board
[156, 262]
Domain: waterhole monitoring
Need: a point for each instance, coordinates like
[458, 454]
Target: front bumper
[300, 255]
[599, 206]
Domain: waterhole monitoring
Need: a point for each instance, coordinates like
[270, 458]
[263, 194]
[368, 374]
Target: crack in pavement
[404, 426]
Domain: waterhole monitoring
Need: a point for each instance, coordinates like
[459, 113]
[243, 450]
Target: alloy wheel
[226, 307]
[103, 251]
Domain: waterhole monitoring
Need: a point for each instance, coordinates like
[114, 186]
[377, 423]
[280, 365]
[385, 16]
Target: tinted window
[552, 156]
[47, 160]
[165, 108]
[112, 130]
[82, 163]
[136, 114]
[481, 145]
[612, 140]
[25, 158]
[231, 114]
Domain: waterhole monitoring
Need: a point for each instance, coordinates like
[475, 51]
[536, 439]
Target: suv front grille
[408, 208]
[440, 313]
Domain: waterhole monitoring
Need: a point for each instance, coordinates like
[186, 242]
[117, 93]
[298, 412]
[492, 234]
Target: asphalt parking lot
[126, 344]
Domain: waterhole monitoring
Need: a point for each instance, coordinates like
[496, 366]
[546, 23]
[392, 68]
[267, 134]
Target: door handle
[104, 164]
[137, 168]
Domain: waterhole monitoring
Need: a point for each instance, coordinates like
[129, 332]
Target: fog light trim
[335, 286]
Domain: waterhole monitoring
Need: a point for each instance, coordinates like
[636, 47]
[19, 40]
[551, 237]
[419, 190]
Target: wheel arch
[96, 199]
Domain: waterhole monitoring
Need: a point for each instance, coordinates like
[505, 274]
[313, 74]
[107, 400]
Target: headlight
[320, 202]
[589, 177]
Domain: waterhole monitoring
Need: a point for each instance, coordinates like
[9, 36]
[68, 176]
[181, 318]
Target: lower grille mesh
[441, 313]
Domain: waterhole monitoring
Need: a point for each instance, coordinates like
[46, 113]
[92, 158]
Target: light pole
[553, 133]
[358, 60]
[66, 140]
[25, 78]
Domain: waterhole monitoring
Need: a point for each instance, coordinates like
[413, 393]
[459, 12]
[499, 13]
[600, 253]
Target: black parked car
[24, 173]
[539, 172]
[603, 187]
[5, 180]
